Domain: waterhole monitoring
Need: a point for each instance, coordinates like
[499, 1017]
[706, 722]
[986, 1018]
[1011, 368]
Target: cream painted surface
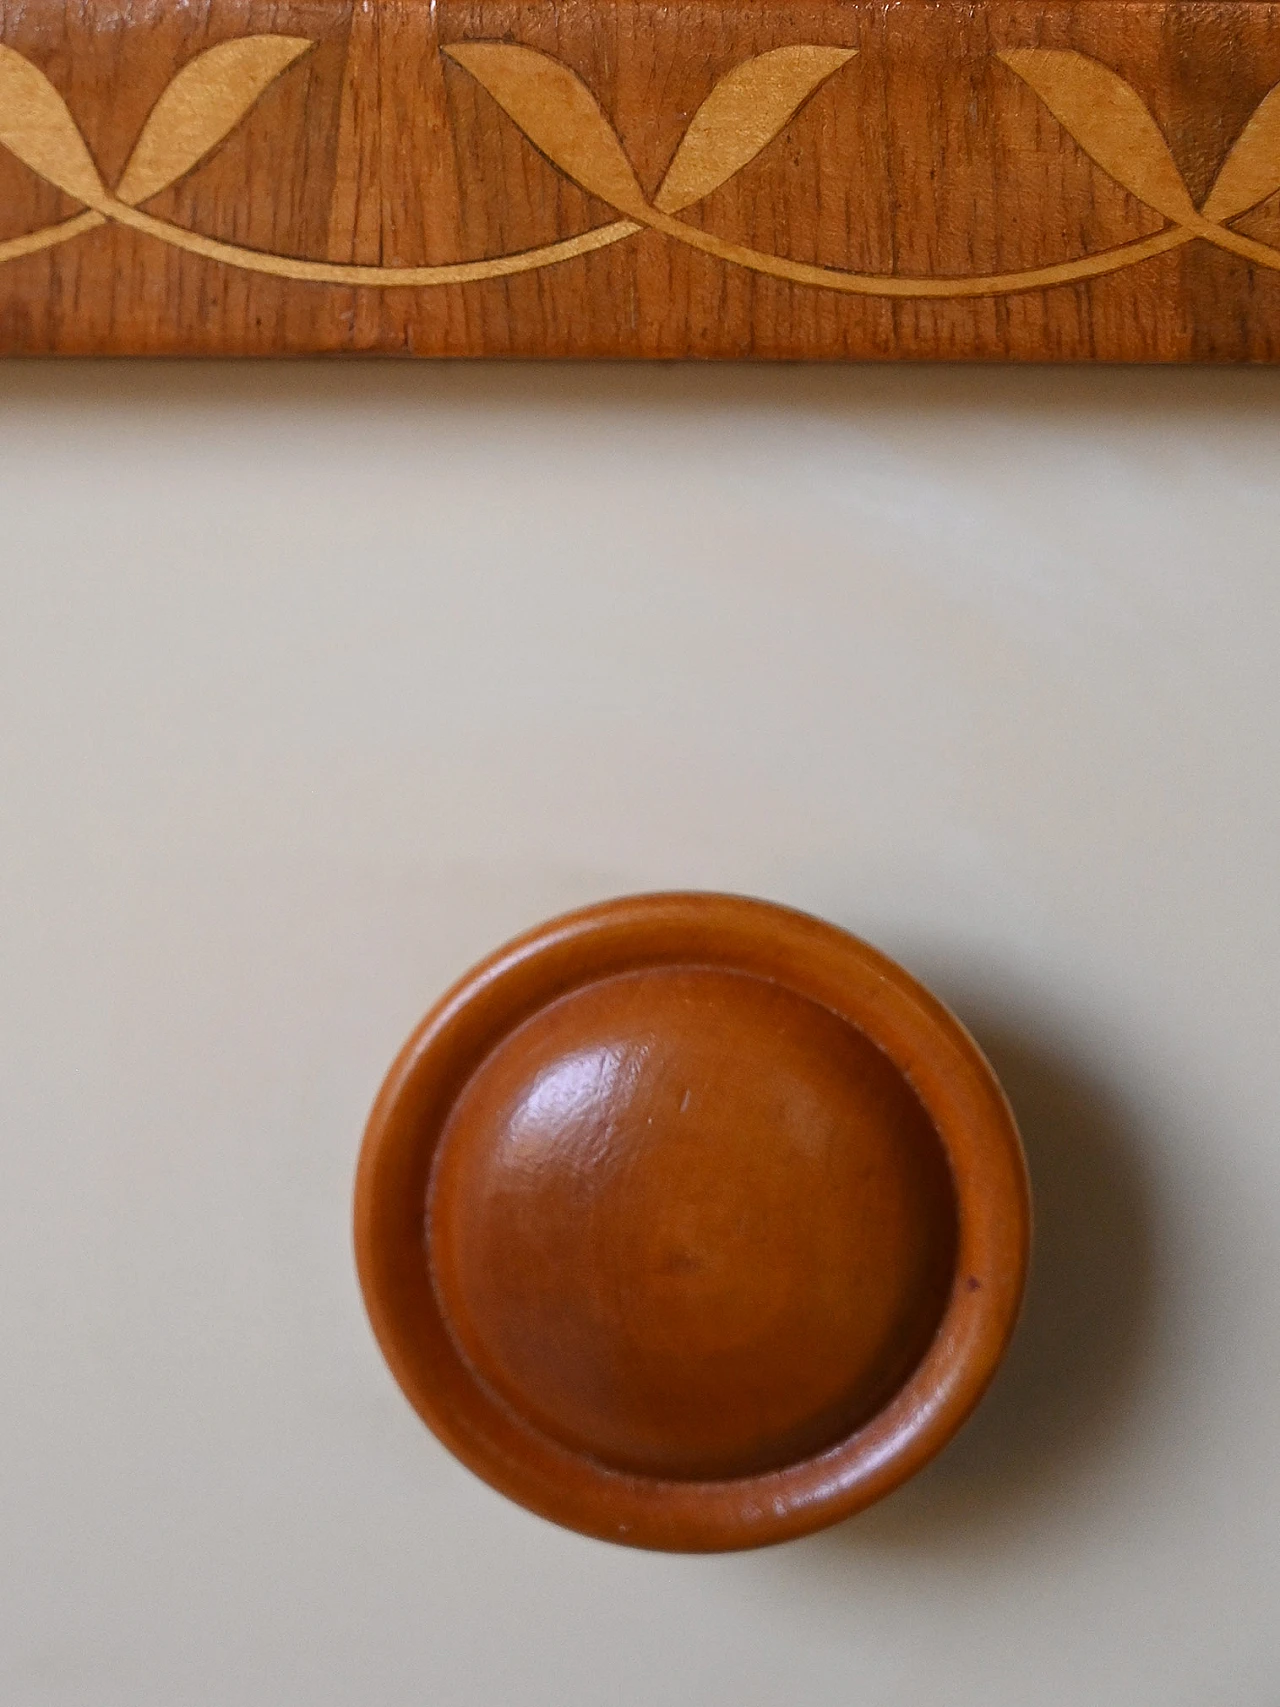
[317, 683]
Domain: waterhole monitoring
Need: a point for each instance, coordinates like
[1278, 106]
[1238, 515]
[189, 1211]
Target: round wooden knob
[692, 1222]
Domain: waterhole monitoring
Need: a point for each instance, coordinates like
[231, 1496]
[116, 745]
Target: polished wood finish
[1020, 179]
[692, 1222]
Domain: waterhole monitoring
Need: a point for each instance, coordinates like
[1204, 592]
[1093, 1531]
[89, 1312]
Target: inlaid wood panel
[1079, 180]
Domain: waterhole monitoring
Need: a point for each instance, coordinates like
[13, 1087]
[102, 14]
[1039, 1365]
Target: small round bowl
[692, 1222]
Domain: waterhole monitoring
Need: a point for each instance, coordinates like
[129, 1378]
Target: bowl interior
[691, 1224]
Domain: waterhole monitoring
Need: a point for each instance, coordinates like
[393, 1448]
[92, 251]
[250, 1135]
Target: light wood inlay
[531, 142]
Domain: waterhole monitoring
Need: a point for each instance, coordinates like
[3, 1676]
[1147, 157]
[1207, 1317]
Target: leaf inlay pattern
[745, 111]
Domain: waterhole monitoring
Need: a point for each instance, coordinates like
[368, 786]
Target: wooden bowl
[692, 1222]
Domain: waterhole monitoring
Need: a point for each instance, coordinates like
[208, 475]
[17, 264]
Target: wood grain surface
[692, 1222]
[1071, 180]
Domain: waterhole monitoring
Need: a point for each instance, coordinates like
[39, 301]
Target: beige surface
[314, 684]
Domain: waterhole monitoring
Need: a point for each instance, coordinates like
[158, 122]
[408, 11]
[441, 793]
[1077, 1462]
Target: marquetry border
[745, 111]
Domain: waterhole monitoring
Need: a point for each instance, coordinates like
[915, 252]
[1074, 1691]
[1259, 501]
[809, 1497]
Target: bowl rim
[818, 960]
